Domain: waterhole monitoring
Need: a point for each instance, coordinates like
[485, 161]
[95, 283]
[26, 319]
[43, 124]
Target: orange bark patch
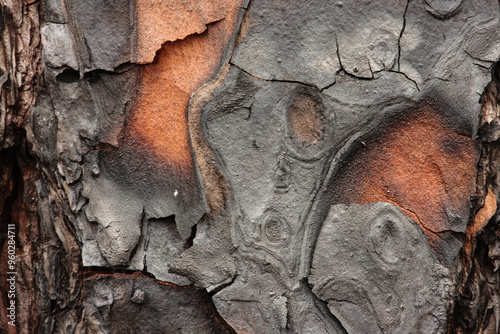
[481, 219]
[419, 164]
[484, 215]
[159, 119]
[163, 21]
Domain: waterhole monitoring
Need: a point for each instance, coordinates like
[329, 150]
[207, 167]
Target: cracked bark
[250, 167]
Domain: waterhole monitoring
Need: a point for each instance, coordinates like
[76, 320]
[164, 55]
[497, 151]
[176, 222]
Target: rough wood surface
[313, 166]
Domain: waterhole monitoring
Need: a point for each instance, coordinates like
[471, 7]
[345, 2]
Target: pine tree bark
[249, 166]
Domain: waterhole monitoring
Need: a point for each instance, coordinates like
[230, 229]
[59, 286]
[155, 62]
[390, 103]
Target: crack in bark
[400, 36]
[91, 272]
[342, 68]
[276, 80]
[419, 221]
[407, 77]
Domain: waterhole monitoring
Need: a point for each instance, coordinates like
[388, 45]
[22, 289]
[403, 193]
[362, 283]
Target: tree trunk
[238, 166]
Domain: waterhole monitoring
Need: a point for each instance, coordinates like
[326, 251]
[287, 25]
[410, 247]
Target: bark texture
[228, 166]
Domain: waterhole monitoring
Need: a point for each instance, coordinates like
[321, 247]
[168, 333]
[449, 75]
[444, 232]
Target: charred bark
[249, 167]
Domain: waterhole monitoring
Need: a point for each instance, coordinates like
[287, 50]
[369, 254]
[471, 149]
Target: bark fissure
[276, 80]
[399, 39]
[476, 308]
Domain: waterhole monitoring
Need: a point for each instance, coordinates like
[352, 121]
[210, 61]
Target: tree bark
[249, 166]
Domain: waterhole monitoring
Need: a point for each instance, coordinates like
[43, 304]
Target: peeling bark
[250, 167]
[477, 302]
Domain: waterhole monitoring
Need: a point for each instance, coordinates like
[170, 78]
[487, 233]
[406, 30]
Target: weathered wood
[250, 166]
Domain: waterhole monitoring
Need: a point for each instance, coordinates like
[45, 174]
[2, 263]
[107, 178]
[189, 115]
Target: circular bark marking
[276, 229]
[387, 238]
[443, 9]
[306, 119]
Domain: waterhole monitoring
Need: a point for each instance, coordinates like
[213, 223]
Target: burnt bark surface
[249, 167]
